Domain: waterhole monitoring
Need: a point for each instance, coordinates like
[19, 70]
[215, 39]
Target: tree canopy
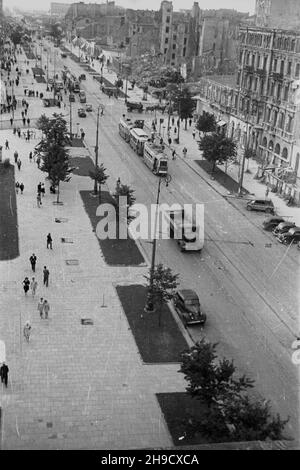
[206, 123]
[217, 148]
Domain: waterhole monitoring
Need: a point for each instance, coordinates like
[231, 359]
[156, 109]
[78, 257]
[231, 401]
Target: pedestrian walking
[32, 260]
[22, 114]
[38, 161]
[40, 307]
[19, 132]
[11, 121]
[38, 199]
[24, 121]
[17, 186]
[46, 276]
[28, 121]
[26, 284]
[194, 134]
[4, 373]
[46, 309]
[118, 182]
[172, 120]
[43, 190]
[30, 157]
[175, 130]
[27, 331]
[22, 187]
[82, 135]
[14, 130]
[49, 241]
[19, 163]
[25, 112]
[169, 140]
[33, 286]
[174, 155]
[16, 155]
[6, 145]
[184, 151]
[190, 121]
[267, 191]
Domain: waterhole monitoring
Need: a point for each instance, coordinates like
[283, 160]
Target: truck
[155, 159]
[186, 225]
[138, 137]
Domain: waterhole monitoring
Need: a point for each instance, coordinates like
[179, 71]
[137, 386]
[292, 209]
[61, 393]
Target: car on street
[134, 105]
[89, 107]
[82, 97]
[50, 81]
[81, 112]
[187, 305]
[283, 227]
[63, 55]
[263, 205]
[82, 76]
[292, 236]
[271, 222]
[72, 97]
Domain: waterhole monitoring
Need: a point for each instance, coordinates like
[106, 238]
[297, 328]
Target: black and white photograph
[149, 228]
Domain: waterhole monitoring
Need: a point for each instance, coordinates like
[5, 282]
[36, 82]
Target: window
[174, 37]
[265, 62]
[281, 121]
[289, 68]
[166, 41]
[284, 153]
[282, 67]
[286, 93]
[279, 92]
[174, 46]
[167, 29]
[184, 51]
[275, 115]
[277, 149]
[168, 19]
[289, 126]
[275, 65]
[165, 51]
[173, 56]
[184, 42]
[297, 72]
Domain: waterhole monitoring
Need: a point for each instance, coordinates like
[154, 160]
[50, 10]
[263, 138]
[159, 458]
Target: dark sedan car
[263, 205]
[271, 222]
[187, 305]
[292, 236]
[283, 227]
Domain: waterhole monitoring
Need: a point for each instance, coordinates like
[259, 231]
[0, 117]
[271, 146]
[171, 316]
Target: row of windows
[274, 89]
[281, 66]
[173, 54]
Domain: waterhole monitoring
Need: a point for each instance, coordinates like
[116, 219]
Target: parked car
[271, 222]
[187, 305]
[50, 81]
[134, 105]
[264, 205]
[63, 55]
[283, 227]
[292, 236]
[82, 76]
[72, 97]
[81, 112]
[89, 107]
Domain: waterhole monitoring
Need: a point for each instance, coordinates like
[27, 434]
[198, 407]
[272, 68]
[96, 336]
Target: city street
[248, 291]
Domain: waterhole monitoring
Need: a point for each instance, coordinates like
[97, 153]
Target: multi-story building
[278, 14]
[58, 10]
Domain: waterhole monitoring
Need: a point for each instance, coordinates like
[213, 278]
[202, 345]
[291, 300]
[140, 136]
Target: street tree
[51, 149]
[162, 287]
[249, 153]
[206, 123]
[123, 190]
[182, 101]
[227, 412]
[209, 381]
[217, 148]
[99, 176]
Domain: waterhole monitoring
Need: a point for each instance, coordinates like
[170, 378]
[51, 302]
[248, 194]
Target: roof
[188, 294]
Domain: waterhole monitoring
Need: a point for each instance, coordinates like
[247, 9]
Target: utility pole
[96, 151]
[54, 72]
[149, 303]
[71, 134]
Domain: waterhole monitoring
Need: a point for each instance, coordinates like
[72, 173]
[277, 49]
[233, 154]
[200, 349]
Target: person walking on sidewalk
[32, 260]
[38, 161]
[19, 163]
[22, 187]
[6, 145]
[267, 191]
[11, 121]
[46, 308]
[40, 307]
[17, 186]
[27, 331]
[28, 121]
[46, 276]
[26, 284]
[194, 134]
[33, 286]
[49, 241]
[43, 190]
[4, 373]
[174, 155]
[38, 199]
[16, 155]
[172, 120]
[169, 141]
[30, 157]
[184, 151]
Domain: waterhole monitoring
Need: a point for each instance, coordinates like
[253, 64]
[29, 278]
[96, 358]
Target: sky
[240, 5]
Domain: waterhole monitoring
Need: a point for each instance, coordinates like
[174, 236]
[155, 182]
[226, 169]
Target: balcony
[277, 76]
[249, 68]
[261, 72]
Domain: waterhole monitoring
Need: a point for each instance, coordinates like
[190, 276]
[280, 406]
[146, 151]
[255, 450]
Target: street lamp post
[149, 307]
[96, 151]
[77, 130]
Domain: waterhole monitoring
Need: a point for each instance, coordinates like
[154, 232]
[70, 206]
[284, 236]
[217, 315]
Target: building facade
[278, 14]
